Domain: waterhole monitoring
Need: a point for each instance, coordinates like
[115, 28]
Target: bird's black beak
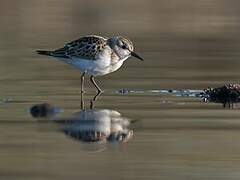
[136, 56]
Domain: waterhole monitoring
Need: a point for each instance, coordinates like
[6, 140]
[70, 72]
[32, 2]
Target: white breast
[99, 67]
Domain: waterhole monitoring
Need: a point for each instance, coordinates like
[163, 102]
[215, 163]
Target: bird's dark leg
[82, 101]
[95, 84]
[82, 90]
[98, 93]
[92, 102]
[82, 82]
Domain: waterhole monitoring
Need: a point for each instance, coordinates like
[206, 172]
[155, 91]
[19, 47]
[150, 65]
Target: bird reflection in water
[97, 125]
[92, 125]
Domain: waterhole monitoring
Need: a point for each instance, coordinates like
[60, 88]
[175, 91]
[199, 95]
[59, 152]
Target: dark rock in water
[43, 110]
[227, 94]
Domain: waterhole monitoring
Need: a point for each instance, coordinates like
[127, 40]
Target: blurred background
[186, 44]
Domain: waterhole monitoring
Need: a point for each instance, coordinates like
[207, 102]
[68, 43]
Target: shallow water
[193, 45]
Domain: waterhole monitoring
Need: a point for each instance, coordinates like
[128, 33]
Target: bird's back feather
[84, 48]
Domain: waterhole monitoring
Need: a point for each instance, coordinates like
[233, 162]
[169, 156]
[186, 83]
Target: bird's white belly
[96, 67]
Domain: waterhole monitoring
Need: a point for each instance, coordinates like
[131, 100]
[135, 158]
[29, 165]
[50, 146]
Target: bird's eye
[124, 46]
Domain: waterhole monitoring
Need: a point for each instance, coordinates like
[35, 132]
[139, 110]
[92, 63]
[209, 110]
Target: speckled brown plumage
[85, 48]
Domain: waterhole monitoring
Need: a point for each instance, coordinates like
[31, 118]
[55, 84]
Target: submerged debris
[5, 100]
[227, 95]
[123, 91]
[174, 92]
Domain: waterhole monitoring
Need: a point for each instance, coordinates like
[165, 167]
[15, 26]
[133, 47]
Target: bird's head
[123, 47]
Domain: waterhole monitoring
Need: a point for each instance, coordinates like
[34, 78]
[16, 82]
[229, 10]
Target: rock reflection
[94, 125]
[44, 110]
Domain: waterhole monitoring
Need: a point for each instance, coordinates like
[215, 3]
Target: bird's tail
[42, 52]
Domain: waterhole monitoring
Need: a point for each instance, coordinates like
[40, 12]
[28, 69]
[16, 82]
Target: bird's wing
[84, 48]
